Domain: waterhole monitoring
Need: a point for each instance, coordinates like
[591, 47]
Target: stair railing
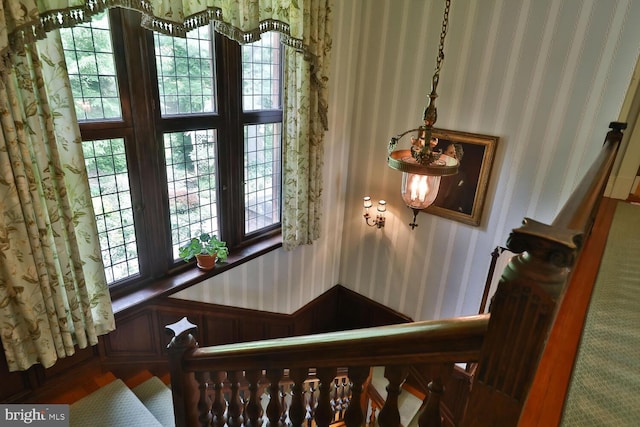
[199, 375]
[506, 344]
[525, 303]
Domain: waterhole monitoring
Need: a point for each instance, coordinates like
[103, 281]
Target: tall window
[261, 90]
[180, 136]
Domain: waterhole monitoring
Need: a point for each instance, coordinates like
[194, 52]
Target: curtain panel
[53, 291]
[306, 28]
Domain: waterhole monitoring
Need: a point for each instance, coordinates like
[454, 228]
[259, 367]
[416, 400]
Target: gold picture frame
[461, 197]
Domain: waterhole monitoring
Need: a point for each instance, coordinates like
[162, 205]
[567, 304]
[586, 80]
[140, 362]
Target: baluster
[323, 414]
[345, 395]
[336, 404]
[297, 409]
[204, 407]
[430, 416]
[283, 405]
[273, 408]
[253, 408]
[311, 403]
[234, 410]
[243, 404]
[219, 406]
[390, 415]
[354, 416]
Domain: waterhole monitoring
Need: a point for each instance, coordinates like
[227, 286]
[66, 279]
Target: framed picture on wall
[461, 197]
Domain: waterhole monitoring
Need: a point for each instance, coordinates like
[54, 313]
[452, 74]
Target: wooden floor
[546, 398]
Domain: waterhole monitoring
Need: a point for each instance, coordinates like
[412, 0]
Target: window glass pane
[186, 77]
[109, 181]
[89, 55]
[262, 165]
[261, 73]
[191, 180]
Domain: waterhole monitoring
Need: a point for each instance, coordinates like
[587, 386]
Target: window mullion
[231, 147]
[151, 221]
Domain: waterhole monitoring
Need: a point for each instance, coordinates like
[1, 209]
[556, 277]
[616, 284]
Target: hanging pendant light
[422, 165]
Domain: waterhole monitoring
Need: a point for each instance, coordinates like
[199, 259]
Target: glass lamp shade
[367, 202]
[419, 191]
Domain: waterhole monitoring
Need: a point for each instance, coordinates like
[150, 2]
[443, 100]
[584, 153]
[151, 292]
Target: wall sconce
[380, 219]
[421, 165]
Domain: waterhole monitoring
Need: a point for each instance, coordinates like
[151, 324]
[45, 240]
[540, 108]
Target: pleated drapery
[53, 291]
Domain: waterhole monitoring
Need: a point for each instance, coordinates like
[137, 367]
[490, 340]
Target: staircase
[144, 400]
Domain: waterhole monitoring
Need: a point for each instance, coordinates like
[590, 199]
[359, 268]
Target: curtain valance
[24, 21]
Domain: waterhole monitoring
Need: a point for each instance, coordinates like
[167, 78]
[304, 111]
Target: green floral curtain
[305, 121]
[53, 291]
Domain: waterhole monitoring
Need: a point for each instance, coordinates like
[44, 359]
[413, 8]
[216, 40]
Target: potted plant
[207, 250]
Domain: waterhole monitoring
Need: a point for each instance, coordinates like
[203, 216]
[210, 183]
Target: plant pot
[206, 262]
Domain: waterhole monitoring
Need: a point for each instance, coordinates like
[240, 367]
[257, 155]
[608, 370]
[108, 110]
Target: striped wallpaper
[545, 76]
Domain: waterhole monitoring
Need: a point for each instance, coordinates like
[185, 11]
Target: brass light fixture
[422, 165]
[379, 220]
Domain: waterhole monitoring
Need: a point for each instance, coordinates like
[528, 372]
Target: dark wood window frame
[142, 127]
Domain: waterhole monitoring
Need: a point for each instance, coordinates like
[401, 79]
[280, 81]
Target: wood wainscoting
[139, 341]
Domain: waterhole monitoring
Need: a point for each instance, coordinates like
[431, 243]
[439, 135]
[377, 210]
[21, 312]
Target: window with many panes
[180, 136]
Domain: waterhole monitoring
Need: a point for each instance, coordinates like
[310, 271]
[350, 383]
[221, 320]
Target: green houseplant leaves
[204, 244]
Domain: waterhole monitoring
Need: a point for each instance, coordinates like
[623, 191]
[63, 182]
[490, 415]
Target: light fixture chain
[443, 33]
[423, 164]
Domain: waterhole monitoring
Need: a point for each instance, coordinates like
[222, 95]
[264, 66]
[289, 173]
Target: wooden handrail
[524, 306]
[574, 221]
[545, 401]
[543, 407]
[579, 210]
[449, 340]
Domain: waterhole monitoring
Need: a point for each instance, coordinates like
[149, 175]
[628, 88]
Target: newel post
[522, 312]
[184, 388]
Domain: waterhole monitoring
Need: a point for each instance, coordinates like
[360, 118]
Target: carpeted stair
[605, 382]
[146, 405]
